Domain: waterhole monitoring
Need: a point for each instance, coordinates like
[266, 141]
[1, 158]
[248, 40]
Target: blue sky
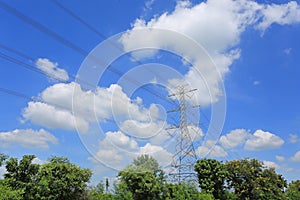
[249, 47]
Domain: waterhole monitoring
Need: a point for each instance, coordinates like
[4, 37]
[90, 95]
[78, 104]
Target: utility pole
[185, 156]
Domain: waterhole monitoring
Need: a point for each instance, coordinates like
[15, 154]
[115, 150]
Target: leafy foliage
[146, 163]
[143, 179]
[293, 190]
[250, 180]
[7, 193]
[21, 175]
[122, 192]
[142, 184]
[60, 179]
[211, 176]
[184, 191]
[97, 192]
[3, 157]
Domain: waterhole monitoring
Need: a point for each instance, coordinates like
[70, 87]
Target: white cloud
[28, 138]
[148, 5]
[293, 138]
[280, 158]
[215, 24]
[38, 161]
[271, 164]
[296, 157]
[143, 129]
[122, 141]
[263, 140]
[287, 51]
[2, 171]
[211, 149]
[53, 117]
[195, 132]
[57, 110]
[281, 14]
[117, 150]
[256, 82]
[162, 156]
[51, 69]
[234, 138]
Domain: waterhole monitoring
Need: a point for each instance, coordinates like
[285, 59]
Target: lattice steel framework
[184, 157]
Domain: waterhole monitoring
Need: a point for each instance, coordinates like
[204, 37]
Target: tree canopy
[293, 190]
[211, 176]
[58, 178]
[251, 180]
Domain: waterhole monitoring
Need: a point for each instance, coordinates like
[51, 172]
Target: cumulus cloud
[211, 149]
[271, 164]
[121, 141]
[142, 129]
[293, 138]
[51, 69]
[263, 140]
[38, 161]
[280, 158]
[159, 153]
[234, 138]
[53, 117]
[296, 157]
[281, 14]
[215, 24]
[28, 138]
[57, 111]
[117, 150]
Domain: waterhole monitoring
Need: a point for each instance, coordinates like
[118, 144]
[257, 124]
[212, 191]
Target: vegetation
[293, 190]
[211, 176]
[60, 179]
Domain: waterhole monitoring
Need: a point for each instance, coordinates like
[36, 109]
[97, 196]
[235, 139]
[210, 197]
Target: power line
[72, 14]
[32, 68]
[35, 99]
[41, 27]
[17, 94]
[93, 29]
[67, 43]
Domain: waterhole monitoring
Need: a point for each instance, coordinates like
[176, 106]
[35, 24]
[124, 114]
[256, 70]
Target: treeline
[58, 178]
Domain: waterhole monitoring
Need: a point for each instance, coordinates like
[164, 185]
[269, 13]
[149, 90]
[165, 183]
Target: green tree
[3, 157]
[97, 193]
[142, 184]
[7, 193]
[184, 191]
[211, 176]
[293, 190]
[22, 175]
[144, 179]
[250, 180]
[60, 179]
[122, 192]
[147, 163]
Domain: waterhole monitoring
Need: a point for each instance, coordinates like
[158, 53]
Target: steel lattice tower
[185, 156]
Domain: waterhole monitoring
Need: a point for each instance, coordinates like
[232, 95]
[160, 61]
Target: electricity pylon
[184, 157]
